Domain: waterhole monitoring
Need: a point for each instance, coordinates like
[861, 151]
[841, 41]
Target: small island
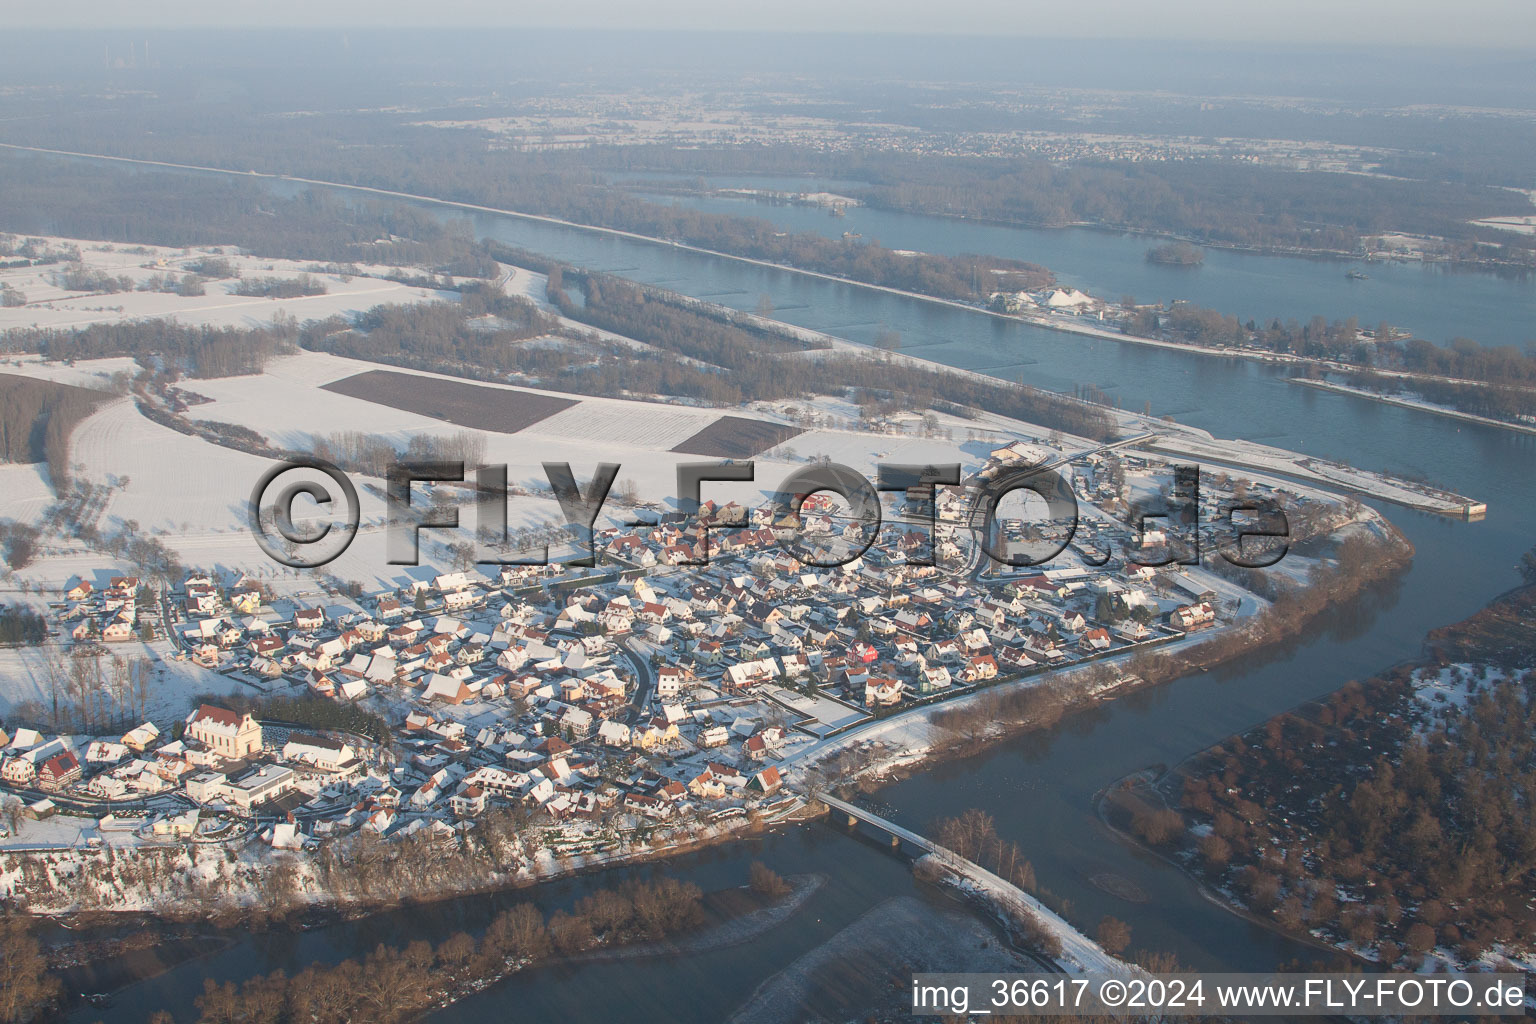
[1179, 254]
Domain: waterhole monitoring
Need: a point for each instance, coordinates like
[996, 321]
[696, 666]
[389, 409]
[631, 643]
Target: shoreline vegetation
[1411, 402]
[635, 919]
[638, 918]
[1479, 263]
[1388, 846]
[684, 342]
[367, 875]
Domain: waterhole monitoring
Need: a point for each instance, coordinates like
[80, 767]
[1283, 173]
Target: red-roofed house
[767, 780]
[224, 732]
[58, 771]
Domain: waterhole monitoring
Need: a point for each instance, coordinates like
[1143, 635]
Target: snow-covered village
[922, 518]
[696, 680]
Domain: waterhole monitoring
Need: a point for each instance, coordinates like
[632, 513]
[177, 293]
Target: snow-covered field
[48, 305]
[97, 374]
[177, 483]
[193, 494]
[287, 405]
[24, 492]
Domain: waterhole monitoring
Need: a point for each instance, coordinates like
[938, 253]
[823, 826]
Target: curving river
[1038, 787]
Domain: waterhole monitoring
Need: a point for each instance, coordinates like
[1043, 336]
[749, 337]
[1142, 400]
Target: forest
[1395, 823]
[1212, 201]
[1215, 200]
[36, 419]
[21, 625]
[77, 199]
[622, 307]
[80, 200]
[966, 277]
[1509, 404]
[1219, 201]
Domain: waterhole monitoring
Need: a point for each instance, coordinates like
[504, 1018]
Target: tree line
[232, 210]
[79, 199]
[26, 987]
[20, 625]
[89, 690]
[688, 332]
[1509, 404]
[36, 420]
[280, 287]
[1507, 376]
[197, 350]
[393, 984]
[307, 710]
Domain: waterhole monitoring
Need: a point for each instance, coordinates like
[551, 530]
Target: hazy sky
[1493, 23]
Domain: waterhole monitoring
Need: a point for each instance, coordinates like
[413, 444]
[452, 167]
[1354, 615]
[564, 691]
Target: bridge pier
[853, 821]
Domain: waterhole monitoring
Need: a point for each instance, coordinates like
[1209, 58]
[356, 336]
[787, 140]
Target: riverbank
[1416, 404]
[260, 887]
[865, 971]
[1114, 810]
[634, 920]
[1163, 436]
[734, 931]
[1382, 847]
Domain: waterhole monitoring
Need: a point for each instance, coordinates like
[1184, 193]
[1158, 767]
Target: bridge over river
[1079, 954]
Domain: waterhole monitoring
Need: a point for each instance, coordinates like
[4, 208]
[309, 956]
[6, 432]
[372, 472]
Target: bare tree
[25, 985]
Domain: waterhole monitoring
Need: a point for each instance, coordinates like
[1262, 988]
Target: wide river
[1039, 787]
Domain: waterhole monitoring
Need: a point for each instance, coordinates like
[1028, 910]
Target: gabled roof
[217, 715]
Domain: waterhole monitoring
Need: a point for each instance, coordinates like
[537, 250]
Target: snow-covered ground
[1453, 686]
[97, 374]
[1079, 954]
[48, 305]
[196, 493]
[1519, 225]
[1409, 400]
[193, 495]
[24, 676]
[1184, 443]
[24, 492]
